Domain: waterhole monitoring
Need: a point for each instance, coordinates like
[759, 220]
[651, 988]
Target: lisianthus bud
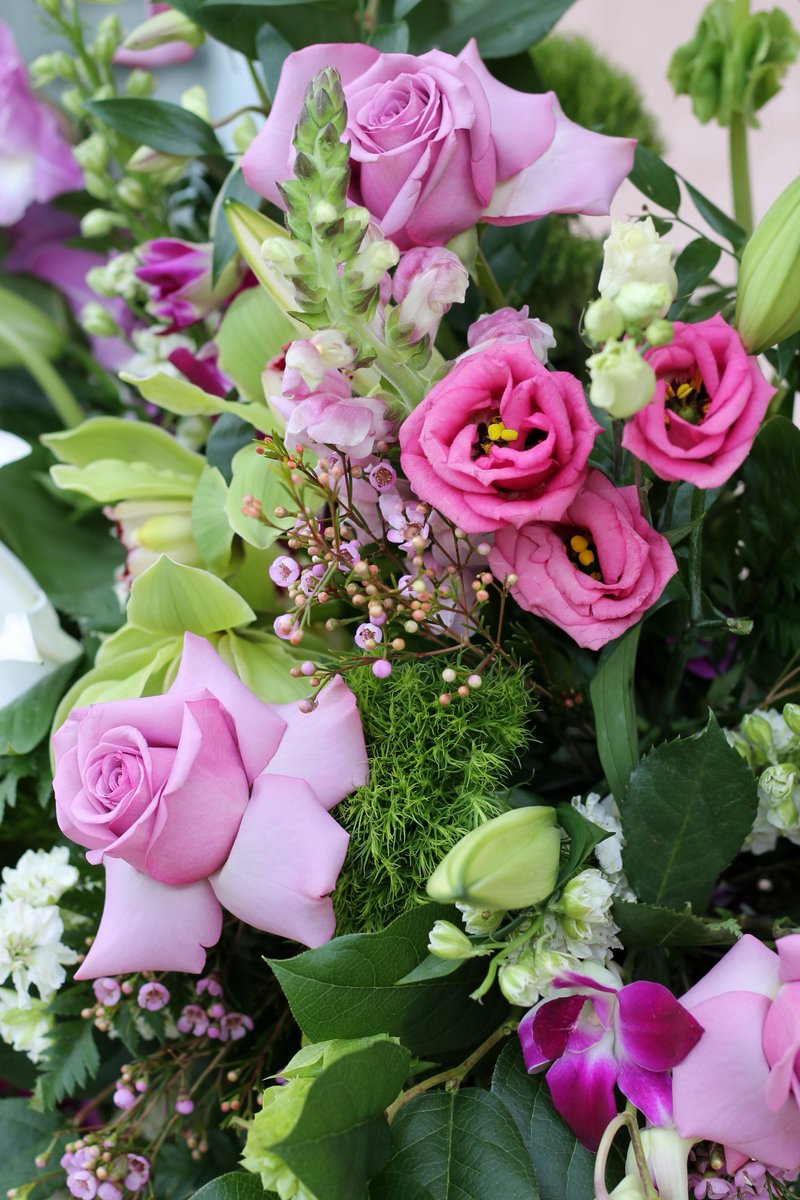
[427, 282]
[660, 333]
[622, 382]
[791, 715]
[508, 862]
[604, 321]
[643, 302]
[446, 940]
[146, 161]
[768, 296]
[634, 253]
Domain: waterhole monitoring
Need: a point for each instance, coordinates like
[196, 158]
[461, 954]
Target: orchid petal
[582, 1087]
[655, 1031]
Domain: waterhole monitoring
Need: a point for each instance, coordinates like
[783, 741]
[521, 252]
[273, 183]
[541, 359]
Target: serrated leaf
[73, 1059]
[688, 807]
[237, 1185]
[462, 1145]
[613, 700]
[563, 1168]
[170, 598]
[650, 926]
[350, 988]
[652, 176]
[158, 123]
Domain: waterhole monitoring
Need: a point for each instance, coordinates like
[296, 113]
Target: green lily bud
[621, 381]
[446, 940]
[47, 67]
[791, 715]
[509, 862]
[92, 153]
[243, 133]
[660, 333]
[757, 731]
[768, 296]
[603, 321]
[169, 26]
[97, 322]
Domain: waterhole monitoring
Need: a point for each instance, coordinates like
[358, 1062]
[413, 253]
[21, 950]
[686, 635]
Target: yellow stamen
[579, 543]
[683, 391]
[586, 558]
[509, 435]
[495, 430]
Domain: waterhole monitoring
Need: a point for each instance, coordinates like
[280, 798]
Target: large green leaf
[350, 988]
[688, 807]
[107, 480]
[170, 599]
[158, 123]
[28, 326]
[127, 441]
[650, 926]
[613, 700]
[461, 1145]
[693, 268]
[272, 49]
[25, 721]
[503, 27]
[652, 176]
[187, 399]
[253, 330]
[563, 1167]
[253, 475]
[301, 24]
[210, 527]
[23, 1134]
[237, 1185]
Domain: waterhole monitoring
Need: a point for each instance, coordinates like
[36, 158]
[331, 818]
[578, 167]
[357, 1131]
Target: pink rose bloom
[205, 797]
[512, 325]
[36, 162]
[500, 440]
[710, 400]
[598, 1035]
[594, 573]
[167, 55]
[438, 144]
[740, 1086]
[178, 275]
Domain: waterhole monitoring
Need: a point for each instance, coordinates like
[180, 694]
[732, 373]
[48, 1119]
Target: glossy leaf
[25, 721]
[719, 221]
[583, 837]
[693, 267]
[210, 527]
[613, 701]
[159, 124]
[236, 1185]
[23, 1134]
[652, 176]
[650, 926]
[234, 188]
[228, 434]
[503, 27]
[272, 49]
[391, 39]
[301, 23]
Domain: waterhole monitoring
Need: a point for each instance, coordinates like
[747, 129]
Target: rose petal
[789, 955]
[285, 862]
[151, 926]
[747, 967]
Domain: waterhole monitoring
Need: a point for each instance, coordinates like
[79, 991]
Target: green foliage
[32, 768]
[592, 92]
[72, 1060]
[157, 123]
[435, 774]
[358, 985]
[26, 720]
[688, 807]
[649, 926]
[614, 704]
[23, 1135]
[502, 27]
[236, 1185]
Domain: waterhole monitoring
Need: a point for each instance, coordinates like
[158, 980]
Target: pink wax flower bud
[152, 996]
[184, 1104]
[427, 282]
[178, 276]
[512, 325]
[124, 1098]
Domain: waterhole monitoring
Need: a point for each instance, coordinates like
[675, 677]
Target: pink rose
[500, 440]
[437, 144]
[740, 1086]
[178, 275]
[595, 572]
[36, 162]
[204, 797]
[710, 400]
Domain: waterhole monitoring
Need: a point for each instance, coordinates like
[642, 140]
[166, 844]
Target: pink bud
[427, 282]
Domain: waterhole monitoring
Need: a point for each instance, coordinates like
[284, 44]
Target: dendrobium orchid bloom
[598, 1034]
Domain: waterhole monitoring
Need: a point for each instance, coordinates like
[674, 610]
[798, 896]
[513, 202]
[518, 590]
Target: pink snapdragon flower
[437, 144]
[741, 1085]
[178, 277]
[511, 325]
[427, 283]
[331, 415]
[598, 1035]
[205, 797]
[36, 162]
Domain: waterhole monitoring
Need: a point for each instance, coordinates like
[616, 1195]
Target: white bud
[621, 381]
[603, 321]
[448, 941]
[641, 303]
[633, 252]
[99, 222]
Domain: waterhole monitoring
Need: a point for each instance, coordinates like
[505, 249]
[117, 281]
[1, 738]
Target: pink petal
[285, 862]
[582, 1087]
[554, 1023]
[655, 1031]
[747, 967]
[789, 955]
[258, 726]
[650, 1091]
[151, 926]
[324, 747]
[579, 172]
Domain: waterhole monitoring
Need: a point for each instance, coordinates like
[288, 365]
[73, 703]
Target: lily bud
[603, 321]
[622, 382]
[768, 296]
[509, 862]
[446, 940]
[667, 1155]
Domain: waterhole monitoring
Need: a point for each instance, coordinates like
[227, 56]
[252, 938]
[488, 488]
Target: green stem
[484, 277]
[695, 556]
[51, 383]
[262, 94]
[737, 141]
[617, 428]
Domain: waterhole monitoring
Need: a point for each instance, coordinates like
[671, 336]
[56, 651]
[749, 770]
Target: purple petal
[284, 863]
[650, 1091]
[554, 1023]
[582, 1087]
[151, 926]
[655, 1031]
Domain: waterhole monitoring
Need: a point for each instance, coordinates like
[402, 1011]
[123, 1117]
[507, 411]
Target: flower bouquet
[400, 691]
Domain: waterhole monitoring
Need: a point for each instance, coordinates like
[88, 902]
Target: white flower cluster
[771, 746]
[31, 951]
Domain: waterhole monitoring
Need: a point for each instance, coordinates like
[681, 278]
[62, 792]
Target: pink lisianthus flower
[178, 276]
[598, 1035]
[710, 399]
[331, 416]
[741, 1085]
[202, 798]
[511, 325]
[36, 162]
[168, 54]
[595, 572]
[438, 144]
[500, 441]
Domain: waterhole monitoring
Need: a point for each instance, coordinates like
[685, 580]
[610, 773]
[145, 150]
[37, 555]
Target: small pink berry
[382, 669]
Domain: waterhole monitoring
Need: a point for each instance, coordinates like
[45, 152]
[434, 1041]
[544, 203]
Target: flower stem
[485, 279]
[737, 141]
[695, 556]
[48, 379]
[617, 428]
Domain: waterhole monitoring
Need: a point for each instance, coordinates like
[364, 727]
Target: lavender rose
[437, 144]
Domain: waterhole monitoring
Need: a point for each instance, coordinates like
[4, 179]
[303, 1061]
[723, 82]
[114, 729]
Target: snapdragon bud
[768, 295]
[92, 153]
[373, 262]
[168, 26]
[139, 83]
[603, 321]
[641, 303]
[622, 382]
[100, 222]
[508, 862]
[791, 716]
[107, 38]
[427, 282]
[47, 67]
[634, 253]
[446, 940]
[131, 192]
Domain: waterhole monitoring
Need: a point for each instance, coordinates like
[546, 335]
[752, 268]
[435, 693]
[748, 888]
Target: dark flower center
[582, 552]
[687, 398]
[492, 432]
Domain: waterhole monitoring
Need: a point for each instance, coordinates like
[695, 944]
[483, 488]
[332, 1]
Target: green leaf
[655, 179]
[403, 7]
[253, 330]
[187, 399]
[272, 49]
[693, 268]
[563, 1168]
[503, 27]
[234, 188]
[107, 480]
[228, 434]
[73, 1059]
[23, 1134]
[650, 926]
[210, 527]
[350, 988]
[719, 221]
[237, 1185]
[688, 807]
[583, 837]
[170, 599]
[158, 123]
[25, 721]
[613, 700]
[391, 39]
[462, 1145]
[302, 24]
[27, 325]
[126, 441]
[263, 663]
[254, 475]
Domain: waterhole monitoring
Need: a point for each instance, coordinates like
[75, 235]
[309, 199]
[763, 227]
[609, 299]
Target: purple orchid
[598, 1034]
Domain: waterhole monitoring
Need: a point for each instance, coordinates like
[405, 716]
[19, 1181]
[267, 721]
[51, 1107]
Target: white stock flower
[26, 1030]
[40, 877]
[152, 354]
[778, 809]
[32, 643]
[634, 253]
[31, 952]
[604, 813]
[526, 976]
